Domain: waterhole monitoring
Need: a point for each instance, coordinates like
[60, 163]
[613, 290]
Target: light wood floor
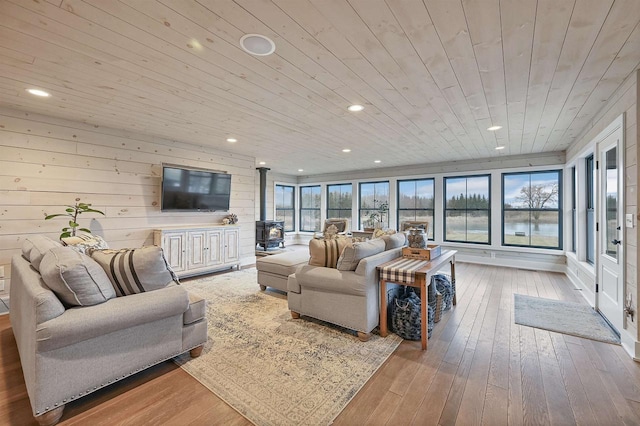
[480, 368]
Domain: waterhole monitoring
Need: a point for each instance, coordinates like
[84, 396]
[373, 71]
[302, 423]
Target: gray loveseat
[349, 297]
[69, 352]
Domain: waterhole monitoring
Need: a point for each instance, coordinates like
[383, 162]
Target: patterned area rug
[576, 319]
[273, 369]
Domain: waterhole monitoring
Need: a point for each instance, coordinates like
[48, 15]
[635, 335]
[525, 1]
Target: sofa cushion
[354, 253]
[326, 252]
[35, 247]
[137, 270]
[282, 264]
[75, 278]
[394, 240]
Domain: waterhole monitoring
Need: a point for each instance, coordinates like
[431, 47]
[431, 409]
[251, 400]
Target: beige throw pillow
[85, 243]
[394, 240]
[75, 278]
[134, 271]
[326, 252]
[35, 247]
[354, 253]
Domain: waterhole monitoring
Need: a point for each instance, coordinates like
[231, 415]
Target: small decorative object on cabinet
[199, 250]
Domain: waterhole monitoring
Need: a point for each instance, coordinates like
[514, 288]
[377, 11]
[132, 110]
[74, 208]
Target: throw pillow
[75, 278]
[326, 252]
[354, 253]
[134, 271]
[394, 240]
[380, 232]
[85, 243]
[35, 247]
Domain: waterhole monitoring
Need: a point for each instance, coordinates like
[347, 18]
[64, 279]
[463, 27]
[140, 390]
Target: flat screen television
[185, 189]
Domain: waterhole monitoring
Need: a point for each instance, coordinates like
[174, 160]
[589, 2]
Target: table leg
[453, 277]
[424, 300]
[383, 308]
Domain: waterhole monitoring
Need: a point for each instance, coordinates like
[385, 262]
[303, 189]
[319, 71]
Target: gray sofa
[349, 298]
[69, 352]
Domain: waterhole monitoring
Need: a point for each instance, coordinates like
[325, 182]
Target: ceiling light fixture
[498, 148]
[262, 163]
[257, 44]
[232, 140]
[377, 161]
[494, 128]
[346, 150]
[355, 108]
[38, 92]
[301, 170]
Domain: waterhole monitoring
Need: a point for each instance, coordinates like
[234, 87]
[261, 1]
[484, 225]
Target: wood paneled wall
[46, 163]
[625, 100]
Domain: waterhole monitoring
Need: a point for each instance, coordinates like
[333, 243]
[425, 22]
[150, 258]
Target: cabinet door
[196, 249]
[231, 245]
[174, 247]
[214, 247]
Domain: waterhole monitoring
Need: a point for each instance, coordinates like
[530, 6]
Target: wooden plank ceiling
[433, 75]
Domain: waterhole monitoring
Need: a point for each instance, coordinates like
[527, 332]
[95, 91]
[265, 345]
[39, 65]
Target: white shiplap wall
[46, 163]
[624, 101]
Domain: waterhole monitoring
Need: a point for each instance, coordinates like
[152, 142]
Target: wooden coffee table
[422, 280]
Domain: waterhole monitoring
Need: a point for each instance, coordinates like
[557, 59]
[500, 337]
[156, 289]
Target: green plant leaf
[93, 211]
[54, 215]
[65, 235]
[70, 210]
[85, 230]
[73, 224]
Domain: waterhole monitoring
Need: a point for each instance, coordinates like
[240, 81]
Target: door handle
[616, 242]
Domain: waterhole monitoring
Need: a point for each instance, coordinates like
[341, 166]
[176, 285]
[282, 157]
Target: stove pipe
[263, 192]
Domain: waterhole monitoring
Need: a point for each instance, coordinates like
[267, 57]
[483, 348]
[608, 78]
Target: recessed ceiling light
[232, 140]
[355, 108]
[377, 161]
[262, 163]
[498, 148]
[257, 44]
[38, 92]
[494, 128]
[346, 150]
[301, 170]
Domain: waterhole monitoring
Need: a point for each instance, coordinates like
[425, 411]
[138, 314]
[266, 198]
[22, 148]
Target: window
[467, 209]
[339, 198]
[590, 254]
[531, 213]
[374, 204]
[285, 206]
[415, 202]
[574, 209]
[310, 208]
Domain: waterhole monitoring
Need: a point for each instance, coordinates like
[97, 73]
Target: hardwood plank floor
[481, 368]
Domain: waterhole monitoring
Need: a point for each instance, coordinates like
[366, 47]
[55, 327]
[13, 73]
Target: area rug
[272, 369]
[575, 319]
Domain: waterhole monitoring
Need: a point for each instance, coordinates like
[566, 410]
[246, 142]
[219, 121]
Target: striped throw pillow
[325, 252]
[134, 271]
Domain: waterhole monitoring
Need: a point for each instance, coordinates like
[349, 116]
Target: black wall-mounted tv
[185, 189]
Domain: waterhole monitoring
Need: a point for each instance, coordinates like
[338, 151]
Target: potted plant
[73, 212]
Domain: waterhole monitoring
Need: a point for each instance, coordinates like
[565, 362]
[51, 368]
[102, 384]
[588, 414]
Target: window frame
[350, 209]
[432, 210]
[574, 209]
[445, 209]
[590, 200]
[558, 209]
[360, 226]
[292, 209]
[303, 209]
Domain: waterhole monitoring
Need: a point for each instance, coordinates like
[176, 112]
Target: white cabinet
[193, 251]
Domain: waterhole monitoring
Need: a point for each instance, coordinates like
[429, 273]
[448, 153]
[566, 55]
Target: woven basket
[443, 284]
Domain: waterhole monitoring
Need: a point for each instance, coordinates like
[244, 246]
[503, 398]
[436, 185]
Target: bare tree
[536, 197]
